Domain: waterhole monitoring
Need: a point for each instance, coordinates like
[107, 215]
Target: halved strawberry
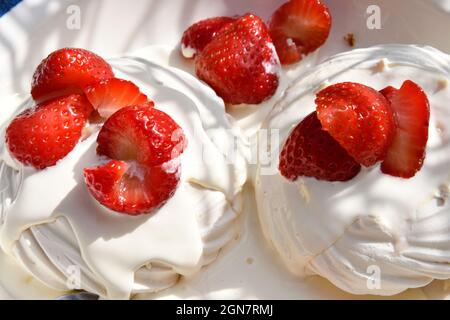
[43, 135]
[143, 134]
[197, 36]
[110, 95]
[299, 27]
[68, 70]
[359, 118]
[131, 188]
[240, 63]
[145, 144]
[406, 155]
[310, 151]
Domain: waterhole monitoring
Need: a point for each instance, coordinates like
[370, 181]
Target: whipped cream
[187, 51]
[375, 234]
[56, 230]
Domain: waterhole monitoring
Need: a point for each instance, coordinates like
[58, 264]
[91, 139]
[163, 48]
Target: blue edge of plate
[6, 5]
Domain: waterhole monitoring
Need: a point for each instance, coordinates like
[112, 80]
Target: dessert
[48, 248]
[366, 218]
[63, 211]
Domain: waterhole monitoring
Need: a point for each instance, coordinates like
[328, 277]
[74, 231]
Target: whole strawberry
[43, 135]
[66, 71]
[241, 63]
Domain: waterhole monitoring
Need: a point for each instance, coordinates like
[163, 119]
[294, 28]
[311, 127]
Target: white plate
[111, 27]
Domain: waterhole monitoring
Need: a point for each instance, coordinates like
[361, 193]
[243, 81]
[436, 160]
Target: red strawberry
[68, 70]
[144, 143]
[240, 63]
[43, 135]
[143, 134]
[197, 36]
[310, 151]
[359, 118]
[110, 95]
[132, 188]
[299, 27]
[406, 155]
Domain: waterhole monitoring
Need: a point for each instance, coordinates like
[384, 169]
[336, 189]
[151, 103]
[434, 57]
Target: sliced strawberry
[145, 144]
[143, 134]
[197, 36]
[240, 63]
[299, 27]
[406, 155]
[359, 118]
[43, 135]
[113, 94]
[131, 188]
[68, 70]
[310, 151]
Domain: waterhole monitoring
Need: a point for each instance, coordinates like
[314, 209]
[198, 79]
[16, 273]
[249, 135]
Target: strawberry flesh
[143, 134]
[131, 188]
[298, 28]
[144, 145]
[406, 155]
[200, 34]
[110, 95]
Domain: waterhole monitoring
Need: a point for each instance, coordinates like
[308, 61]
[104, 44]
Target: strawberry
[42, 135]
[240, 63]
[197, 36]
[110, 95]
[406, 155]
[143, 134]
[131, 188]
[68, 70]
[359, 118]
[144, 144]
[310, 151]
[299, 27]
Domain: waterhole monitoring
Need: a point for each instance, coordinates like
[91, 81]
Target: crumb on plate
[350, 39]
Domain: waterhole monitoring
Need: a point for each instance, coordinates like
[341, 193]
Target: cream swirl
[375, 234]
[56, 230]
